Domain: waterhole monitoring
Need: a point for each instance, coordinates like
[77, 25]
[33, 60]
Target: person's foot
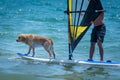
[101, 60]
[108, 61]
[90, 60]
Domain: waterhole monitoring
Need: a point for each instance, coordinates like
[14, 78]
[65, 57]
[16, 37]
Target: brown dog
[37, 41]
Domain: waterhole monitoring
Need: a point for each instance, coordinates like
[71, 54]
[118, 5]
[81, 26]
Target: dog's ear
[31, 37]
[23, 38]
[28, 39]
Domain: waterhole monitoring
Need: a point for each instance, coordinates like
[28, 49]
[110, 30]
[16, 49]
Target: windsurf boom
[80, 15]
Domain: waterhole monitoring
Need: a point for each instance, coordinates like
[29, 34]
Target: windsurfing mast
[80, 14]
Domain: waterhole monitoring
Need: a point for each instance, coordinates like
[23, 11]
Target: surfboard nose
[17, 40]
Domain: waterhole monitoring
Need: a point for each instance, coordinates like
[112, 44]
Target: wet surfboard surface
[77, 62]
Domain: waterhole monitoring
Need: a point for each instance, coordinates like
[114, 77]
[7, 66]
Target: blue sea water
[47, 18]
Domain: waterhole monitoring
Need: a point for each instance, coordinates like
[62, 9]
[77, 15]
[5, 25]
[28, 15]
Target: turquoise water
[46, 18]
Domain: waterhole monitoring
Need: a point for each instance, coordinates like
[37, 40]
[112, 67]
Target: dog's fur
[37, 41]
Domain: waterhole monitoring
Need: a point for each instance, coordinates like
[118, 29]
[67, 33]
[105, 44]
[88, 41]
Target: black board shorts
[98, 33]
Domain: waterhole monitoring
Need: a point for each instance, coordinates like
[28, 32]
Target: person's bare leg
[92, 49]
[101, 51]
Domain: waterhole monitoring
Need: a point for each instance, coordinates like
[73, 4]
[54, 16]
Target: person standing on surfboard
[97, 36]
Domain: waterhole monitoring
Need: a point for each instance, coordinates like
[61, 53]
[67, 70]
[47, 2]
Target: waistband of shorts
[99, 25]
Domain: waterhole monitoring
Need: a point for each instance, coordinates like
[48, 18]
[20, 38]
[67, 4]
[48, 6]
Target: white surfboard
[77, 62]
